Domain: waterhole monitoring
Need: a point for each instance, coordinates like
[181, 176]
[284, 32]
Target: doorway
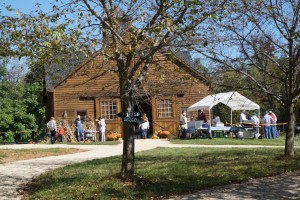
[145, 106]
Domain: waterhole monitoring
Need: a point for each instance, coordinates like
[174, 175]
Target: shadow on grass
[161, 172]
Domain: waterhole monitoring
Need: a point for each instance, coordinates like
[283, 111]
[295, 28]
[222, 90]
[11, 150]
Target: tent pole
[209, 116]
[259, 119]
[231, 117]
[209, 123]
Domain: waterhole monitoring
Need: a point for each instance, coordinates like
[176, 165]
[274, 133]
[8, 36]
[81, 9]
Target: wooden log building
[92, 90]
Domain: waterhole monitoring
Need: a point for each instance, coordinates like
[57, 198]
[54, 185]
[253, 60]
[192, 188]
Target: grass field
[162, 172]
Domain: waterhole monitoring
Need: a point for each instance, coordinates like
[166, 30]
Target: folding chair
[190, 132]
[198, 127]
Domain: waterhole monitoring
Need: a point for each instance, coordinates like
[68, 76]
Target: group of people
[57, 134]
[255, 120]
[52, 127]
[247, 116]
[100, 127]
[79, 132]
[269, 123]
[183, 122]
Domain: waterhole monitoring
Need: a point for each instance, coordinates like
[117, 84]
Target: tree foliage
[259, 40]
[21, 107]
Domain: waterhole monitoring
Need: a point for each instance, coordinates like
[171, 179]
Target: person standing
[78, 125]
[274, 131]
[242, 119]
[102, 126]
[248, 115]
[183, 125]
[51, 125]
[180, 123]
[255, 120]
[201, 116]
[144, 126]
[267, 119]
[243, 116]
[215, 120]
[61, 132]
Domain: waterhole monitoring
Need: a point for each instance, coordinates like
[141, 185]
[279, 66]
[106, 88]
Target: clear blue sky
[24, 6]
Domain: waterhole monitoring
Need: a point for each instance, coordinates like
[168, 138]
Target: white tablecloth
[220, 128]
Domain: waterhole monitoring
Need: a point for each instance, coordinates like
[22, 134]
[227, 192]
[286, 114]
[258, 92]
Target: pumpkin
[111, 136]
[164, 134]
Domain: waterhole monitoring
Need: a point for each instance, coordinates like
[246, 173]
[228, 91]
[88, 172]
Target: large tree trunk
[289, 142]
[127, 170]
[127, 105]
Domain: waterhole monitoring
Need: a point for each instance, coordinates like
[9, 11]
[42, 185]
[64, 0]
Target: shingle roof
[65, 65]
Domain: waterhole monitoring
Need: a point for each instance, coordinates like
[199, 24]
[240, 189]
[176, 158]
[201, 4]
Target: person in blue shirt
[78, 125]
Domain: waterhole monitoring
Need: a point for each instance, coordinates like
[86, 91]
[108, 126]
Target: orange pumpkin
[113, 136]
[164, 134]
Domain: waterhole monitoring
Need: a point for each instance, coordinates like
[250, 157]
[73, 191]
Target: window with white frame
[109, 109]
[165, 108]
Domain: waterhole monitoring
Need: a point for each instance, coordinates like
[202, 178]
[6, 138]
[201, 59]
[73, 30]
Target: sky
[24, 5]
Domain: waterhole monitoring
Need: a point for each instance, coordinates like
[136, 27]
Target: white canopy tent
[234, 100]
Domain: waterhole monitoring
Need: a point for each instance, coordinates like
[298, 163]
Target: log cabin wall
[169, 87]
[169, 82]
[81, 93]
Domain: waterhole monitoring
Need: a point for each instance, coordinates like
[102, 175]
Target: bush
[21, 137]
[7, 137]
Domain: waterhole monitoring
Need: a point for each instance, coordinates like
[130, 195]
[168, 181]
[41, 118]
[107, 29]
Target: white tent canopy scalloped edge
[234, 100]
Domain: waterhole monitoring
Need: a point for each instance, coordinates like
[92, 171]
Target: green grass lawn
[234, 141]
[161, 173]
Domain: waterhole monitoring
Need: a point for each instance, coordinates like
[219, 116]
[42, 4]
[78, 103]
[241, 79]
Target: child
[61, 132]
[88, 134]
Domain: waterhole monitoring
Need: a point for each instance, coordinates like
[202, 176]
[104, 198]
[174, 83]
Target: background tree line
[22, 110]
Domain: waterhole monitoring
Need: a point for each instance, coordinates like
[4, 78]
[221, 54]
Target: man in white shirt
[255, 120]
[242, 116]
[216, 120]
[267, 128]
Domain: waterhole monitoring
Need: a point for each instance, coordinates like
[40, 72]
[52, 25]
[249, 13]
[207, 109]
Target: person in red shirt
[201, 115]
[274, 132]
[61, 133]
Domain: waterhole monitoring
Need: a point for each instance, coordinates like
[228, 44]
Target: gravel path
[14, 174]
